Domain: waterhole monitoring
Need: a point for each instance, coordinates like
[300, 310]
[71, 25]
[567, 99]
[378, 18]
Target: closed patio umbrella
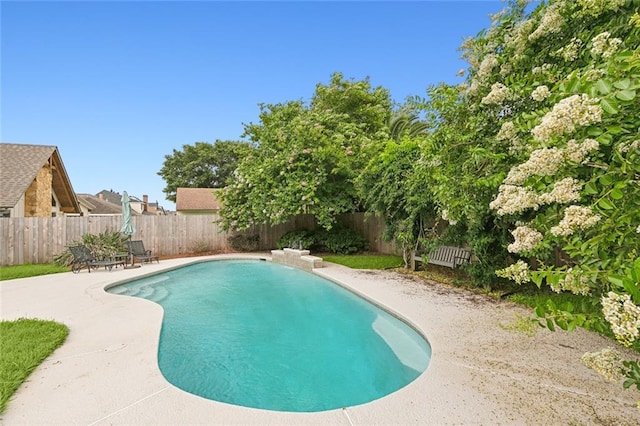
[127, 223]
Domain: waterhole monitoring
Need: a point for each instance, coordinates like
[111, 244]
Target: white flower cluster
[525, 239]
[570, 52]
[602, 45]
[623, 315]
[575, 110]
[507, 131]
[486, 67]
[564, 191]
[541, 162]
[547, 161]
[498, 94]
[518, 272]
[540, 93]
[575, 217]
[607, 362]
[550, 23]
[514, 199]
[595, 8]
[445, 216]
[573, 281]
[578, 152]
[541, 69]
[518, 39]
[625, 147]
[594, 74]
[638, 230]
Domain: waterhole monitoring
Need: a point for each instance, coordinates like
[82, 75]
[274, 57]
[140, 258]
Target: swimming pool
[262, 335]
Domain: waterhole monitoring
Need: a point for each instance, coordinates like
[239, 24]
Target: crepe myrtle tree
[308, 156]
[202, 165]
[558, 90]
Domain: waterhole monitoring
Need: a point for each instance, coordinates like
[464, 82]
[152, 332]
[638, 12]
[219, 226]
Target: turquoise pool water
[262, 335]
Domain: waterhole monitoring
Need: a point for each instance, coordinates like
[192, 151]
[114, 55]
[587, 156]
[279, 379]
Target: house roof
[197, 199]
[101, 206]
[19, 165]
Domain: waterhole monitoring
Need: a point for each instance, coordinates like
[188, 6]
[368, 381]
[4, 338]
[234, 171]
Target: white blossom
[575, 217]
[570, 52]
[550, 23]
[607, 362]
[507, 131]
[540, 93]
[541, 162]
[514, 199]
[578, 152]
[518, 272]
[576, 110]
[603, 45]
[573, 281]
[486, 67]
[623, 315]
[525, 239]
[498, 94]
[564, 191]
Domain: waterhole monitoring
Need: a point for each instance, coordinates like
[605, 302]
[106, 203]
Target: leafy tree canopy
[308, 156]
[202, 165]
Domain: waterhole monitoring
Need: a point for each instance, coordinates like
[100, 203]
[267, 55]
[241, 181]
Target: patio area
[480, 373]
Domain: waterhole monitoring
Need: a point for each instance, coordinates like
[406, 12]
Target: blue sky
[116, 86]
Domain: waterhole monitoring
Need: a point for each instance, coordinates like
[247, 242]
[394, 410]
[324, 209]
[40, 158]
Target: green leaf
[540, 313]
[605, 204]
[616, 194]
[610, 106]
[605, 180]
[550, 325]
[590, 188]
[622, 84]
[626, 95]
[603, 86]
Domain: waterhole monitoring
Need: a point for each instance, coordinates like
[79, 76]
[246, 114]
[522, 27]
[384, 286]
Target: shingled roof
[19, 165]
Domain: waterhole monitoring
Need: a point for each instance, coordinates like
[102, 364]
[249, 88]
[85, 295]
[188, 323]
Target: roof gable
[19, 165]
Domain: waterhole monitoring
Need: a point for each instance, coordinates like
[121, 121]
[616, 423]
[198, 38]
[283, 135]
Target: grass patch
[24, 344]
[365, 261]
[30, 270]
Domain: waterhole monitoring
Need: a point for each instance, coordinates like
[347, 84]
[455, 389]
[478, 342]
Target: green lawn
[24, 271]
[366, 261]
[24, 344]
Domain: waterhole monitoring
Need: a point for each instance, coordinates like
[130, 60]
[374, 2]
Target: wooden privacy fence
[39, 239]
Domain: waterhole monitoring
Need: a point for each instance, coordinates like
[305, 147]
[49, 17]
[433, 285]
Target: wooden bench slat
[448, 256]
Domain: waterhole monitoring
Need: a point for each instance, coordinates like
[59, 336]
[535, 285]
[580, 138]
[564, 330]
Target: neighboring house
[110, 203]
[34, 182]
[197, 201]
[97, 206]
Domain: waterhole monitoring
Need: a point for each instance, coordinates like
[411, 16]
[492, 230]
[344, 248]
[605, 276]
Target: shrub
[301, 238]
[102, 246]
[242, 242]
[341, 240]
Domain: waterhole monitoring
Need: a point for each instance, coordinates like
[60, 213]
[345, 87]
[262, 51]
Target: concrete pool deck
[480, 372]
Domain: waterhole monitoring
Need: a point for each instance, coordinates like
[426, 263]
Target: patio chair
[83, 258]
[137, 251]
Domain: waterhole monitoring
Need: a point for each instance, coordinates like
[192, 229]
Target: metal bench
[448, 256]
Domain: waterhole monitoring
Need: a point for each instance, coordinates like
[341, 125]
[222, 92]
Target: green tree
[202, 165]
[308, 156]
